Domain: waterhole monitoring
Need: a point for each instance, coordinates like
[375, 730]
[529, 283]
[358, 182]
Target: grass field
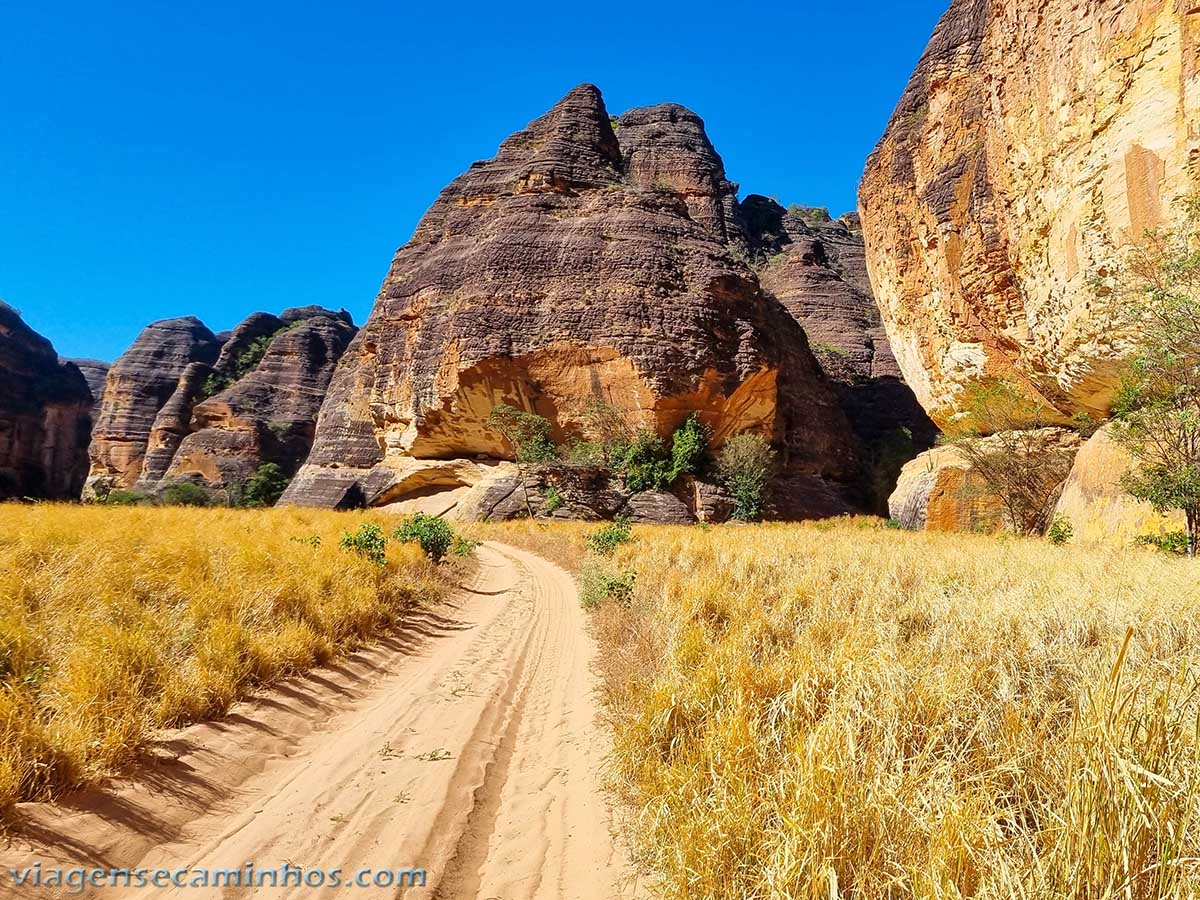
[844, 710]
[115, 621]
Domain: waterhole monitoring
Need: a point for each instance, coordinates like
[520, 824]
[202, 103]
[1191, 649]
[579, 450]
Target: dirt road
[466, 747]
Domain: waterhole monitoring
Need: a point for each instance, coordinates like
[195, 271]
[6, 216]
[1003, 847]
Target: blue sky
[164, 159]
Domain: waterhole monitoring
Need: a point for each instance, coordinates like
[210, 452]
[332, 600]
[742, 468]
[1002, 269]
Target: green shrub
[527, 433]
[689, 448]
[265, 486]
[433, 533]
[645, 465]
[601, 581]
[1174, 542]
[607, 539]
[552, 497]
[368, 541]
[1060, 531]
[463, 547]
[744, 467]
[124, 498]
[186, 494]
[313, 540]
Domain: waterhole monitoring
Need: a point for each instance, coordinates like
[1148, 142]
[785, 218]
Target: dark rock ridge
[45, 416]
[95, 373]
[184, 404]
[581, 263]
[815, 266]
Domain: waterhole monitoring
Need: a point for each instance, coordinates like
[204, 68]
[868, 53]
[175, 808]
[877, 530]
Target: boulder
[1035, 139]
[940, 491]
[45, 416]
[657, 508]
[1096, 505]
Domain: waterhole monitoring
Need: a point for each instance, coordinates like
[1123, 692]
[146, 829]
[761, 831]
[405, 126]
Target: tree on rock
[1157, 408]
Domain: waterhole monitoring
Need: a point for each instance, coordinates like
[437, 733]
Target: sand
[466, 744]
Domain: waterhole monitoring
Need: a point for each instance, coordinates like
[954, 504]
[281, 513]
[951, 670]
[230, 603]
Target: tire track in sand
[473, 752]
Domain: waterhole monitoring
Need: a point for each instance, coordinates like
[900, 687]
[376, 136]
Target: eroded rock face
[95, 373]
[1034, 139]
[45, 416]
[269, 414]
[579, 264]
[139, 385]
[183, 404]
[1095, 504]
[814, 265]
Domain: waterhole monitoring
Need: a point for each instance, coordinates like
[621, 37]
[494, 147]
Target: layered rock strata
[1033, 142]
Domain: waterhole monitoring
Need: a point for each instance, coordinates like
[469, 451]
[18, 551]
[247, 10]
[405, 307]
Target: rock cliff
[139, 385]
[814, 265]
[45, 416]
[95, 373]
[185, 404]
[1033, 141]
[590, 259]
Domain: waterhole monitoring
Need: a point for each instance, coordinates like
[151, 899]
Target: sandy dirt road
[466, 745]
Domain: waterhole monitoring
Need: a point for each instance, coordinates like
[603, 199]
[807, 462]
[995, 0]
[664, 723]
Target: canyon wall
[1034, 140]
[45, 416]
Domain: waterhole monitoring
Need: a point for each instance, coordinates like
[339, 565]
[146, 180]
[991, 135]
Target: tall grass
[116, 621]
[849, 711]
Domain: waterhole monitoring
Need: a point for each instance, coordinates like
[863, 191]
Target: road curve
[467, 747]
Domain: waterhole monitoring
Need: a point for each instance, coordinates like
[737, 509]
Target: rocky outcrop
[1095, 504]
[95, 373]
[139, 385]
[45, 416]
[941, 491]
[814, 265]
[937, 491]
[581, 263]
[183, 404]
[268, 413]
[1033, 141]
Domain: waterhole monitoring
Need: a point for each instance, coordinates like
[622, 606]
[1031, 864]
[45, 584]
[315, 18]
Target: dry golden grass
[843, 710]
[116, 621]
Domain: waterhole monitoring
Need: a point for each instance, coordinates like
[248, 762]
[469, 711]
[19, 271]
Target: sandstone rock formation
[95, 373]
[581, 263]
[1095, 504]
[183, 404]
[139, 385]
[269, 414]
[1033, 141]
[940, 491]
[815, 267]
[45, 415]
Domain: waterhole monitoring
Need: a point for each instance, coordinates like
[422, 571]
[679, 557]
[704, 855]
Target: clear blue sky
[164, 159]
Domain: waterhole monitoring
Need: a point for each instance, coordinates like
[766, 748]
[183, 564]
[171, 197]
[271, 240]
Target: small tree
[1002, 435]
[1157, 407]
[744, 467]
[526, 432]
[265, 486]
[689, 448]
